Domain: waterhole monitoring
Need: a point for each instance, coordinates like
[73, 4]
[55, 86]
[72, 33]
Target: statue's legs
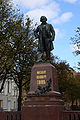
[47, 49]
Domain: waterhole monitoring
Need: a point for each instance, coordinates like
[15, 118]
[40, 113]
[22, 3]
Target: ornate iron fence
[10, 116]
[71, 115]
[67, 115]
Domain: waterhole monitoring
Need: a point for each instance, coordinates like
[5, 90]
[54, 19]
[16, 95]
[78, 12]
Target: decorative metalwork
[42, 90]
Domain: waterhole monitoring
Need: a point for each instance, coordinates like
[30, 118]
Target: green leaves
[68, 80]
[17, 47]
[76, 42]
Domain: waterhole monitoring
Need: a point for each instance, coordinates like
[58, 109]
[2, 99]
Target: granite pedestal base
[42, 113]
[47, 105]
[43, 107]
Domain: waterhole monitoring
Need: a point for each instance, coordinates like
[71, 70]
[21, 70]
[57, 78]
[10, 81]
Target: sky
[64, 15]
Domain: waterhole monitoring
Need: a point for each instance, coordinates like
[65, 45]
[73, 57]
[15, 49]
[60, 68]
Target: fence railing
[71, 115]
[10, 116]
[67, 115]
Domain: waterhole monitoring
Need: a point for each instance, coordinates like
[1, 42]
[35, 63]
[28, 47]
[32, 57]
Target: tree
[24, 55]
[76, 41]
[17, 48]
[69, 84]
[6, 51]
[63, 73]
[72, 91]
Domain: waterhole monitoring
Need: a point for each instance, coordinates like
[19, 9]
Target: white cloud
[31, 4]
[36, 8]
[50, 11]
[70, 1]
[64, 18]
[48, 8]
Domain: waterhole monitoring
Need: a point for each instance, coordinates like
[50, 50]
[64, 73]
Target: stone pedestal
[43, 100]
[41, 73]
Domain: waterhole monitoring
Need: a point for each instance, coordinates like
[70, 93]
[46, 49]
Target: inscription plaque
[41, 82]
[41, 72]
[41, 76]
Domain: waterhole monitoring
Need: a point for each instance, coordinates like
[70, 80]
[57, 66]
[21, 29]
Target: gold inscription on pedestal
[41, 72]
[41, 82]
[41, 76]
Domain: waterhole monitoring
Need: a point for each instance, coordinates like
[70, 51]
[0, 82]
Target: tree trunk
[20, 95]
[2, 86]
[76, 103]
[3, 82]
[72, 104]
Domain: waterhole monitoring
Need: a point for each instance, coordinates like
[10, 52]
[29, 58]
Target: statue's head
[43, 19]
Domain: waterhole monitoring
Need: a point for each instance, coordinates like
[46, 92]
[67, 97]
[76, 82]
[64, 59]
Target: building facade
[9, 96]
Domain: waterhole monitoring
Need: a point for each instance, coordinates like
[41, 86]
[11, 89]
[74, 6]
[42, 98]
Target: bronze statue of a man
[45, 34]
